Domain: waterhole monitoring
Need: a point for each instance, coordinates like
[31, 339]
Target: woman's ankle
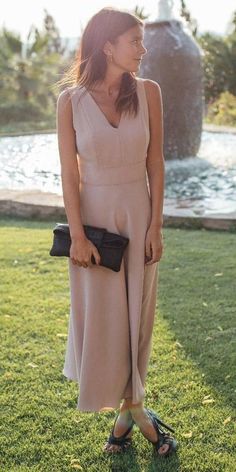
[124, 409]
[138, 411]
[136, 408]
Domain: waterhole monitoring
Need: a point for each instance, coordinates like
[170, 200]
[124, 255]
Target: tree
[138, 11]
[219, 62]
[216, 63]
[192, 23]
[230, 41]
[28, 71]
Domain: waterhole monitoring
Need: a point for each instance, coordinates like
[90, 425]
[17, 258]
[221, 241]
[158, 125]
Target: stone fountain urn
[173, 59]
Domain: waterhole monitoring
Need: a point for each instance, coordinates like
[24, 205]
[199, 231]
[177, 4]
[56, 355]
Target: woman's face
[128, 51]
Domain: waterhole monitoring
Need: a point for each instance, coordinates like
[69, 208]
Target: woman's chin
[134, 69]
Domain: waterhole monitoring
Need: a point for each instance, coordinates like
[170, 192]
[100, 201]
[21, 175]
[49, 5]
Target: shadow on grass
[197, 298]
[130, 462]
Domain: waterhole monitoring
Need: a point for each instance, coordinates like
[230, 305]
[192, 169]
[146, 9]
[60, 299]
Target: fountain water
[165, 10]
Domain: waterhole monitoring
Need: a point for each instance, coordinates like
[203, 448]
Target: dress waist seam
[111, 184]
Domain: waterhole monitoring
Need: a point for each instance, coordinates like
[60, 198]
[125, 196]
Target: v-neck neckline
[115, 128]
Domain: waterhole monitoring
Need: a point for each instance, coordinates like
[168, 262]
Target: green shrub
[223, 110]
[20, 112]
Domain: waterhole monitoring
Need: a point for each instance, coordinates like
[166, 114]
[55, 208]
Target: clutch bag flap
[93, 233]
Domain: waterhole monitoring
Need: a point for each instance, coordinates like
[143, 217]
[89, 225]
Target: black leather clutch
[110, 246]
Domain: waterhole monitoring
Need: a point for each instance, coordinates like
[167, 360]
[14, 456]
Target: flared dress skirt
[111, 313]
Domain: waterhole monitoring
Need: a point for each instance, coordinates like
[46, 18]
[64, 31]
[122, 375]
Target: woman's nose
[144, 50]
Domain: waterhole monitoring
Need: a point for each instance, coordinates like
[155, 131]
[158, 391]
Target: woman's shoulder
[68, 93]
[70, 90]
[152, 89]
[149, 84]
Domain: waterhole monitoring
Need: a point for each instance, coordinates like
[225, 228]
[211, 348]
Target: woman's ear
[107, 48]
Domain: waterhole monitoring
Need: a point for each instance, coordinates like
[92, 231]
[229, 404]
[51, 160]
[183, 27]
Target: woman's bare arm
[69, 166]
[155, 157]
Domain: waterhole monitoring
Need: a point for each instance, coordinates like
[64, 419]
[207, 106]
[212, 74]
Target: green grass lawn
[190, 382]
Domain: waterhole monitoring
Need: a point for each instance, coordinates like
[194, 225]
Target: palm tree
[138, 11]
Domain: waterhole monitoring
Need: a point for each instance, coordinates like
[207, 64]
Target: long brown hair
[89, 64]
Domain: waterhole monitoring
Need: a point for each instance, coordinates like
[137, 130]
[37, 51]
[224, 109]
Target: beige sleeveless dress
[111, 313]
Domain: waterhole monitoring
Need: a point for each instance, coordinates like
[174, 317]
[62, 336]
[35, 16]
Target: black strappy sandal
[121, 441]
[163, 437]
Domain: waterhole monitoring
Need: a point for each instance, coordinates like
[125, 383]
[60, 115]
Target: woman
[110, 139]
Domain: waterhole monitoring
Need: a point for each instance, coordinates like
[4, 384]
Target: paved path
[177, 213]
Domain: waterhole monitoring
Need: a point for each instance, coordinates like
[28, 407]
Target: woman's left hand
[153, 245]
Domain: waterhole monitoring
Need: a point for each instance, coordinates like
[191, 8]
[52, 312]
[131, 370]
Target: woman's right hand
[81, 251]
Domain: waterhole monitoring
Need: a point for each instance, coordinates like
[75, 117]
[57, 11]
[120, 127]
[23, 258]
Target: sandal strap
[123, 436]
[119, 441]
[158, 420]
[167, 440]
[163, 437]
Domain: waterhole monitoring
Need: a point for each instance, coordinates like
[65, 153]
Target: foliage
[28, 72]
[138, 11]
[219, 63]
[20, 111]
[192, 23]
[219, 57]
[223, 110]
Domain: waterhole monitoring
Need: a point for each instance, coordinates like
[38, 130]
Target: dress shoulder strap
[143, 99]
[75, 93]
